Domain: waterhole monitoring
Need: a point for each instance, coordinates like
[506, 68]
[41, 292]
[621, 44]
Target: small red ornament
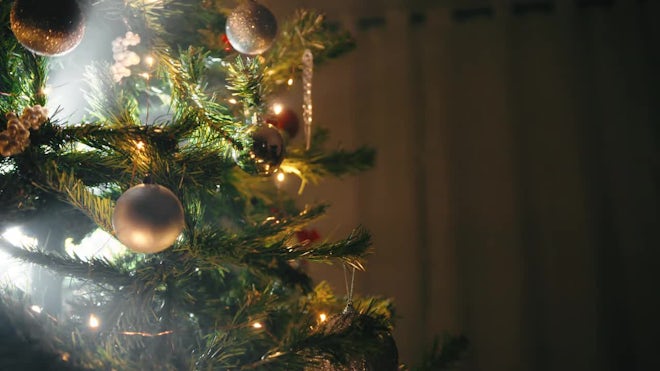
[226, 44]
[308, 236]
[286, 120]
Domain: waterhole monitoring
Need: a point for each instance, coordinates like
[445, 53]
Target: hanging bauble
[49, 28]
[251, 28]
[383, 356]
[287, 120]
[148, 218]
[263, 152]
[226, 45]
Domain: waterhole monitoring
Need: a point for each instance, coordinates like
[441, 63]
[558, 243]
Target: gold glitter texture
[43, 29]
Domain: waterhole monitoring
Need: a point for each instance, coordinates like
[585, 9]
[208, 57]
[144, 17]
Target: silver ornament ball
[251, 28]
[148, 218]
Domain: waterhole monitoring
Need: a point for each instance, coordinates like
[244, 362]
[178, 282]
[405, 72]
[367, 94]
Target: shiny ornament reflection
[49, 28]
[251, 28]
[148, 218]
[264, 154]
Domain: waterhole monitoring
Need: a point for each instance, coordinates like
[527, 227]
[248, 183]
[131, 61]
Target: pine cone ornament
[16, 138]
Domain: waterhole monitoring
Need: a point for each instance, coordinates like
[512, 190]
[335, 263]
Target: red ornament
[226, 44]
[286, 120]
[307, 236]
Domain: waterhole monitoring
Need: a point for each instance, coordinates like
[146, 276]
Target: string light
[257, 325]
[149, 61]
[94, 321]
[323, 317]
[36, 309]
[146, 334]
[47, 90]
[290, 81]
[232, 101]
[277, 108]
[139, 145]
[281, 177]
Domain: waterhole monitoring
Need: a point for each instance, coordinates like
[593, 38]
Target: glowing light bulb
[277, 108]
[149, 61]
[280, 177]
[323, 317]
[290, 81]
[139, 145]
[232, 101]
[257, 325]
[47, 90]
[94, 321]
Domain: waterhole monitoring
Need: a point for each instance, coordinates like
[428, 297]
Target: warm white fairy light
[290, 81]
[6, 168]
[257, 325]
[232, 101]
[94, 322]
[323, 317]
[149, 61]
[139, 145]
[277, 108]
[281, 177]
[47, 90]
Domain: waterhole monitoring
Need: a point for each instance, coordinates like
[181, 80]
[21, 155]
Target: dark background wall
[516, 193]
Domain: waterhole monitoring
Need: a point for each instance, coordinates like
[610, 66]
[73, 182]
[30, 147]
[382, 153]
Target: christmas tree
[174, 161]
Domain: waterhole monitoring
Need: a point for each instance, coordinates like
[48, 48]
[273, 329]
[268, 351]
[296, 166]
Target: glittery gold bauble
[47, 27]
[384, 355]
[251, 28]
[148, 218]
[263, 152]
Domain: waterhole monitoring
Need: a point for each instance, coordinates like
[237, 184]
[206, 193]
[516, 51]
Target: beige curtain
[515, 198]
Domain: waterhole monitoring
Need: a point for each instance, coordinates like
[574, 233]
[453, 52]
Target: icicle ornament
[308, 74]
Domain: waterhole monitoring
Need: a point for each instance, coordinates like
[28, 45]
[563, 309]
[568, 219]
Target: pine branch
[214, 245]
[306, 30]
[100, 270]
[351, 250]
[28, 341]
[109, 101]
[22, 74]
[74, 191]
[312, 345]
[186, 78]
[245, 79]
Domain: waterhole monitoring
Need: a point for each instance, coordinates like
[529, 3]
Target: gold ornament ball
[50, 28]
[148, 218]
[251, 28]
